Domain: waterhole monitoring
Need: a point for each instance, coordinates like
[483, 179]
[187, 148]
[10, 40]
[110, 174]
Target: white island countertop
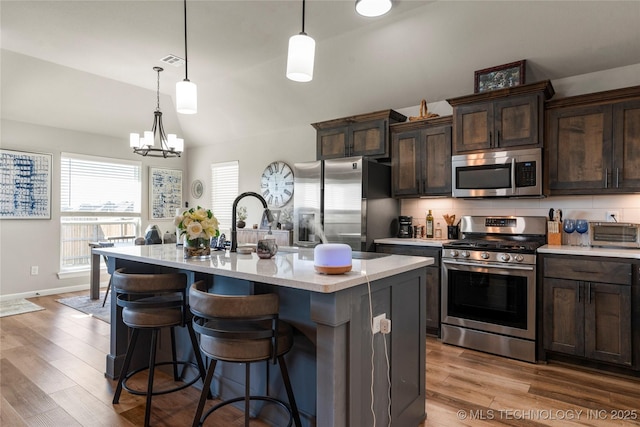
[590, 251]
[290, 267]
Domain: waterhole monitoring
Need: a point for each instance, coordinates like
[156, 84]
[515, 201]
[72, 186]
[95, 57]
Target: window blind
[224, 190]
[99, 185]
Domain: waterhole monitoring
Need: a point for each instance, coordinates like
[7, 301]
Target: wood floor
[52, 364]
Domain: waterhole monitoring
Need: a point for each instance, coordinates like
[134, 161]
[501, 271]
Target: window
[100, 198]
[224, 190]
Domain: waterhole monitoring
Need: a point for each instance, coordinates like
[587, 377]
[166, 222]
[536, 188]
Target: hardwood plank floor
[52, 364]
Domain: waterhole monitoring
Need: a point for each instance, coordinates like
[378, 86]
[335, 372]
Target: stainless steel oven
[489, 285]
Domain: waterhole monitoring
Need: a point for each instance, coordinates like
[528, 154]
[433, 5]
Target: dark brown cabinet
[421, 158]
[593, 143]
[500, 119]
[362, 135]
[587, 306]
[433, 279]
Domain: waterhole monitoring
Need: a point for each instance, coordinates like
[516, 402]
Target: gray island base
[335, 358]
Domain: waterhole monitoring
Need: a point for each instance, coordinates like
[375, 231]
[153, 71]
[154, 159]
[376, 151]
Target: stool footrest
[242, 399]
[165, 391]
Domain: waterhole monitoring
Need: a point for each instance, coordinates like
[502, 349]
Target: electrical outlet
[385, 326]
[613, 216]
[34, 270]
[375, 326]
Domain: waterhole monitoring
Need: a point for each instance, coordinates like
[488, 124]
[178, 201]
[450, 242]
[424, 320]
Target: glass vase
[198, 248]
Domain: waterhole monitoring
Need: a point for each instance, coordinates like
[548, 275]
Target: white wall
[291, 146]
[25, 243]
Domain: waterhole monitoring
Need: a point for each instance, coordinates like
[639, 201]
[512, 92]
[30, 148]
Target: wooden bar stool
[154, 302]
[242, 329]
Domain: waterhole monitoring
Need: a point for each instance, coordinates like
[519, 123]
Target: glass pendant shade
[148, 138]
[373, 8]
[302, 50]
[186, 97]
[134, 140]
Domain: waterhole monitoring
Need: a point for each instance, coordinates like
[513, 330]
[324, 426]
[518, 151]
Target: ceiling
[87, 65]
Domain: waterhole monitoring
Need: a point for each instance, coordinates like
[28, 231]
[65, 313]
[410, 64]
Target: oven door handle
[491, 264]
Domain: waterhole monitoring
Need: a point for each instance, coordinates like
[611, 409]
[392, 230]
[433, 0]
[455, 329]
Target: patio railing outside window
[77, 232]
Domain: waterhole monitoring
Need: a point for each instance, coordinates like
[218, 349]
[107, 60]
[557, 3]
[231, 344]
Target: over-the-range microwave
[511, 173]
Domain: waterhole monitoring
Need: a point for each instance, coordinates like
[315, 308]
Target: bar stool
[242, 329]
[154, 302]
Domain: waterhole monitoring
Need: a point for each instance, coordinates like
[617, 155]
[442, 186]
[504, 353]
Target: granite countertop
[290, 267]
[590, 251]
[412, 242]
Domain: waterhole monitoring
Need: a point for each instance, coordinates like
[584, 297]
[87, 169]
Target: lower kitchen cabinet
[587, 308]
[433, 279]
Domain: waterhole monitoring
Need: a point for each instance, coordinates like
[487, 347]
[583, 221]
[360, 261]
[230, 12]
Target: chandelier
[168, 145]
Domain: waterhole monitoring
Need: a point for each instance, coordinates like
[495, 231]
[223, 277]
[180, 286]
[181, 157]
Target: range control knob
[465, 254]
[453, 253]
[484, 255]
[505, 257]
[519, 258]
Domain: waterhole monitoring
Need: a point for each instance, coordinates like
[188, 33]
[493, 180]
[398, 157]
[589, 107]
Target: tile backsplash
[592, 208]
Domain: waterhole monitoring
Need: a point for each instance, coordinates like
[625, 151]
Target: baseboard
[50, 291]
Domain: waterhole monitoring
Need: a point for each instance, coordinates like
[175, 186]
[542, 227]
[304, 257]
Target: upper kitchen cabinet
[593, 143]
[362, 135]
[421, 158]
[500, 119]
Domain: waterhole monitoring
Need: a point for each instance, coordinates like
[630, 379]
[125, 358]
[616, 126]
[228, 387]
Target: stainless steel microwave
[513, 173]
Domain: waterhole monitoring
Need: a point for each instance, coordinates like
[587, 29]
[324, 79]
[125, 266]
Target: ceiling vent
[176, 61]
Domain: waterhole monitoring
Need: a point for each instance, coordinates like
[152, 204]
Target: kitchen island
[336, 361]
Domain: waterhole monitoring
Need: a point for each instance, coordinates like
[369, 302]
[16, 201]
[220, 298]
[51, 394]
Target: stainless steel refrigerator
[349, 199]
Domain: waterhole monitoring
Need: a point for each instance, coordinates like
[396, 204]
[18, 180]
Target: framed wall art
[500, 77]
[165, 192]
[25, 185]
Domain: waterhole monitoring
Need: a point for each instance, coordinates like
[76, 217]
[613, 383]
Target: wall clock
[276, 184]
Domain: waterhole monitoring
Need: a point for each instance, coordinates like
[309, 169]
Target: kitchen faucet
[234, 230]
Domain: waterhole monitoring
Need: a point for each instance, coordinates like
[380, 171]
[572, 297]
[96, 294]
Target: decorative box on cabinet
[587, 308]
[421, 158]
[500, 119]
[593, 143]
[362, 135]
[433, 279]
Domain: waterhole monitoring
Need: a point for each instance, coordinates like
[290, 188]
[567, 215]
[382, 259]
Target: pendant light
[302, 50]
[186, 91]
[145, 145]
[373, 8]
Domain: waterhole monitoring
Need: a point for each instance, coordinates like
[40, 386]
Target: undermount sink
[367, 255]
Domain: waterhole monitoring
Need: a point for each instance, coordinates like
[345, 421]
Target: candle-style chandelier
[168, 145]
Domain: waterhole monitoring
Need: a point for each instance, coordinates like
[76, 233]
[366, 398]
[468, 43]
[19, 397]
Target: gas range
[498, 239]
[488, 290]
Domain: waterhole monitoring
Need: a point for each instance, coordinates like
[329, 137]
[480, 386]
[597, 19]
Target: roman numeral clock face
[276, 184]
